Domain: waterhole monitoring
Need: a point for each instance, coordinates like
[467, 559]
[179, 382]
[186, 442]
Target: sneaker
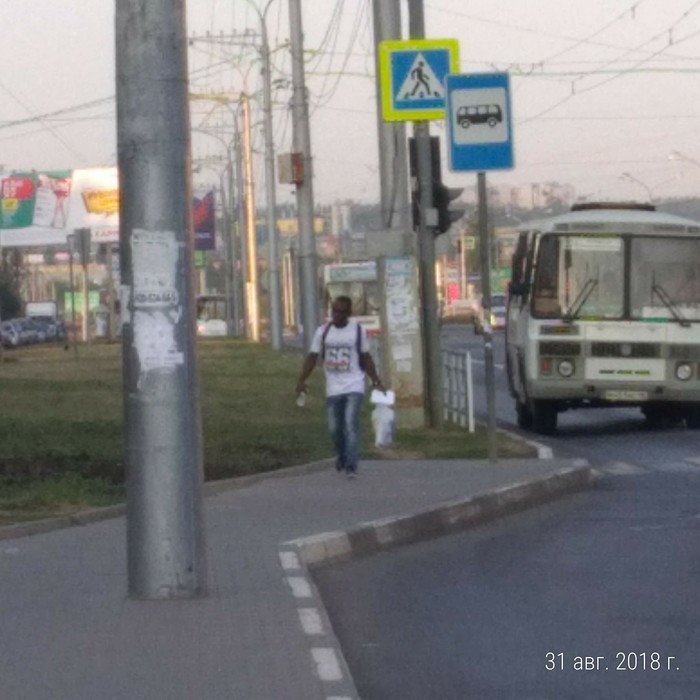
[352, 473]
[339, 466]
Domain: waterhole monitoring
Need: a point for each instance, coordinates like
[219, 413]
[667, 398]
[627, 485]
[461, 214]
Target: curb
[299, 557]
[209, 488]
[445, 518]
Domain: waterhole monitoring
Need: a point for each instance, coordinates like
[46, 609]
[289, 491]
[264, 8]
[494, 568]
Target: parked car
[10, 333]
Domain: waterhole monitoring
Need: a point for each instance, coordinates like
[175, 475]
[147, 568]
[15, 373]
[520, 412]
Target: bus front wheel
[544, 416]
[524, 415]
[692, 417]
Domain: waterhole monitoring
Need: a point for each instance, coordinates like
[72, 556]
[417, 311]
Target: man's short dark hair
[345, 300]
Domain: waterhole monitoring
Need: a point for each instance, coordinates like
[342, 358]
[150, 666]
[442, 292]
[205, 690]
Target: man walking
[343, 348]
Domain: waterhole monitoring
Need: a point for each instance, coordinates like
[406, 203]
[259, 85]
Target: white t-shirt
[342, 362]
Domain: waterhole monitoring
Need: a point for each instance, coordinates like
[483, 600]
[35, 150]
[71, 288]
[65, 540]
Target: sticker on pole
[412, 77]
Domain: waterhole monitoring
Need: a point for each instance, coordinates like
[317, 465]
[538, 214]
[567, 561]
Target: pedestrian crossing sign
[412, 77]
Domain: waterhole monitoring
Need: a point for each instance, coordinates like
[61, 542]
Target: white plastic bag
[383, 423]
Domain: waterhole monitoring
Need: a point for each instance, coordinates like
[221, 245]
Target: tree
[10, 303]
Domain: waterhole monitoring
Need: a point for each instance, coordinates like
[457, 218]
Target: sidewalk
[69, 633]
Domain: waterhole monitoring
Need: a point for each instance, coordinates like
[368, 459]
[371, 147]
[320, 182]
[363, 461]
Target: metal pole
[305, 196]
[86, 301]
[233, 270]
[240, 232]
[252, 290]
[71, 248]
[165, 537]
[272, 235]
[393, 162]
[111, 316]
[426, 248]
[226, 227]
[486, 302]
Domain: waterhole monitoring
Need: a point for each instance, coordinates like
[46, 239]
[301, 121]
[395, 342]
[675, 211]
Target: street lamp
[233, 297]
[628, 177]
[677, 155]
[650, 190]
[272, 236]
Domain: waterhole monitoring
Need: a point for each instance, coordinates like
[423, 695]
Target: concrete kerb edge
[446, 517]
[94, 515]
[210, 488]
[300, 557]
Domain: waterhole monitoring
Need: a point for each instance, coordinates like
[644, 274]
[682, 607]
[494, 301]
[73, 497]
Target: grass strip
[61, 424]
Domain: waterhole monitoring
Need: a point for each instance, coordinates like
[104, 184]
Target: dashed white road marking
[693, 460]
[327, 666]
[310, 621]
[290, 561]
[300, 586]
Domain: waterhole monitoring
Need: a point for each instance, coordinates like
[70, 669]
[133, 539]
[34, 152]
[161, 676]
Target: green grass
[61, 424]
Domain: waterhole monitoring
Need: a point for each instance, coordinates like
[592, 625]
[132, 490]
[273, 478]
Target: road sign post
[412, 77]
[479, 127]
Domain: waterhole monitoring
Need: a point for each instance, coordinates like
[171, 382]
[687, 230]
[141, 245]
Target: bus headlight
[684, 371]
[565, 368]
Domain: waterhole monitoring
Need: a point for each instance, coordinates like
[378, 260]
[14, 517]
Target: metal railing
[457, 389]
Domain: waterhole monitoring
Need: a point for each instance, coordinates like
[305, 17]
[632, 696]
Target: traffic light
[442, 195]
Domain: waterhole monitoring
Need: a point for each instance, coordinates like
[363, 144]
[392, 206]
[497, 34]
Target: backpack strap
[323, 341]
[359, 348]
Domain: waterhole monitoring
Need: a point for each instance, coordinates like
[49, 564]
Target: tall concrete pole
[305, 195]
[240, 279]
[270, 186]
[233, 270]
[426, 248]
[165, 536]
[252, 290]
[393, 163]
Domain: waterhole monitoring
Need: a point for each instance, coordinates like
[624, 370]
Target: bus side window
[518, 281]
[545, 298]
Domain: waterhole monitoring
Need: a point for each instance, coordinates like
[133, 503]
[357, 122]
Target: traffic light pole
[426, 248]
[486, 303]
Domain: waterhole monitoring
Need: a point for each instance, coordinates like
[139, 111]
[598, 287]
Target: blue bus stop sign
[479, 126]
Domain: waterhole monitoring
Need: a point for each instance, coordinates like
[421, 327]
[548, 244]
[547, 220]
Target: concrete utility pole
[393, 163]
[240, 278]
[426, 247]
[252, 290]
[305, 196]
[270, 186]
[165, 538]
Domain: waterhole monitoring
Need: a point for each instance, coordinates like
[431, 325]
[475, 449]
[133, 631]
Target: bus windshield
[665, 279]
[583, 276]
[579, 276]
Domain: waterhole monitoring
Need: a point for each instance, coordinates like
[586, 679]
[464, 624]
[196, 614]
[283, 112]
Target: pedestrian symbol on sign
[421, 83]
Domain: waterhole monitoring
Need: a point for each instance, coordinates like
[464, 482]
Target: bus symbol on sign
[479, 114]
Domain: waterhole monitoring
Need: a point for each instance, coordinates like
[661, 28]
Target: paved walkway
[68, 631]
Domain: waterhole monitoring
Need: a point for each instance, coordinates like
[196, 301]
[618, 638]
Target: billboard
[40, 208]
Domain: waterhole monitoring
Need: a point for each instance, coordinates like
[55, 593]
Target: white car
[496, 314]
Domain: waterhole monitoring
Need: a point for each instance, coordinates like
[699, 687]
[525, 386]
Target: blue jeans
[343, 413]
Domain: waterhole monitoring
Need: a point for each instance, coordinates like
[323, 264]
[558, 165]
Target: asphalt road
[610, 573]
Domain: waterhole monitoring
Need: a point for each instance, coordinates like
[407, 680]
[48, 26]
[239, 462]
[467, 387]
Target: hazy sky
[599, 88]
